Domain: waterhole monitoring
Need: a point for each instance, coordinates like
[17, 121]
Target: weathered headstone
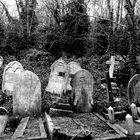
[1, 61]
[73, 67]
[58, 78]
[3, 119]
[133, 90]
[27, 94]
[9, 76]
[82, 90]
[112, 63]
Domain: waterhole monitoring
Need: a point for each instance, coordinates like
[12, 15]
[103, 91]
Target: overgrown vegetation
[67, 30]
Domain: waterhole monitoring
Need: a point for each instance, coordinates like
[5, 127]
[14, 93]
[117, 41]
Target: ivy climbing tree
[133, 36]
[76, 26]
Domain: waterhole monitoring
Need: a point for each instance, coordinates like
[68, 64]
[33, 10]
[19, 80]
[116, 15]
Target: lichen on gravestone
[10, 73]
[133, 90]
[58, 78]
[27, 95]
[82, 91]
[73, 67]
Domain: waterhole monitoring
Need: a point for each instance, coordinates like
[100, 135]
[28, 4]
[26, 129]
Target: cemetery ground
[70, 127]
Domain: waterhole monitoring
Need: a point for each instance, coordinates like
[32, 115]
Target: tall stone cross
[112, 63]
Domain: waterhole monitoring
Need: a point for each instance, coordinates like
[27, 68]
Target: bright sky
[11, 4]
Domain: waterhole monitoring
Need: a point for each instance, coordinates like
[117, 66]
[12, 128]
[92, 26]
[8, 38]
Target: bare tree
[132, 29]
[10, 18]
[56, 9]
[27, 16]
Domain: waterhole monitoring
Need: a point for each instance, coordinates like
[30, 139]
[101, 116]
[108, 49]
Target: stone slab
[20, 129]
[27, 95]
[59, 112]
[42, 129]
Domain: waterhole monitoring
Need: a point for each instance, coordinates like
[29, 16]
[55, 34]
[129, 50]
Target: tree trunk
[118, 14]
[10, 18]
[130, 6]
[121, 11]
[110, 40]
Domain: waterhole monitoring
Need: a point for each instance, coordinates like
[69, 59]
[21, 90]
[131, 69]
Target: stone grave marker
[73, 67]
[133, 90]
[112, 63]
[82, 90]
[27, 94]
[3, 119]
[58, 78]
[109, 79]
[9, 76]
[1, 61]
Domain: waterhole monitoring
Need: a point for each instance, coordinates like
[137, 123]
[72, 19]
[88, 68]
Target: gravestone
[9, 77]
[133, 90]
[1, 61]
[3, 119]
[109, 79]
[112, 63]
[58, 78]
[73, 67]
[27, 94]
[82, 90]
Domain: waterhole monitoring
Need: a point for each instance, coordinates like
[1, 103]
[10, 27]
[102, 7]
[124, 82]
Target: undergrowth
[40, 62]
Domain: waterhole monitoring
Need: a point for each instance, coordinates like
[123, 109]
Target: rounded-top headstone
[82, 90]
[10, 75]
[83, 78]
[3, 119]
[73, 67]
[59, 66]
[58, 77]
[133, 90]
[27, 94]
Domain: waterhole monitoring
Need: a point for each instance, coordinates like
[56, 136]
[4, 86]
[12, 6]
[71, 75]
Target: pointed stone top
[133, 104]
[128, 116]
[110, 107]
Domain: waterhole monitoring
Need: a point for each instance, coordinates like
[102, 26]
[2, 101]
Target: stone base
[59, 112]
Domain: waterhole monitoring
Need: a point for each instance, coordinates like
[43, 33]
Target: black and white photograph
[69, 69]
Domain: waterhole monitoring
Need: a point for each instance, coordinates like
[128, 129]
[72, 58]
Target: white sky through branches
[95, 7]
[11, 5]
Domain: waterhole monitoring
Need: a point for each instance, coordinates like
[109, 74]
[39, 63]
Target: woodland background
[86, 31]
